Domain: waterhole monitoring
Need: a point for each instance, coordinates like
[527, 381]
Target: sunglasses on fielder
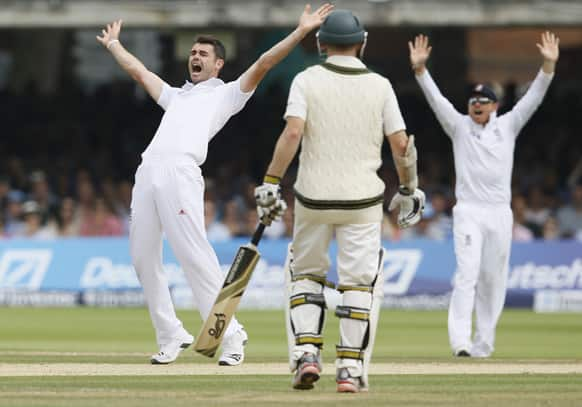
[480, 100]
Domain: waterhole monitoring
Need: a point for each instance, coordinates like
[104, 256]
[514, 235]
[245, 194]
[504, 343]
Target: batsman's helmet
[341, 27]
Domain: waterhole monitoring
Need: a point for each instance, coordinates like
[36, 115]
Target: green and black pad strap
[345, 352]
[309, 339]
[307, 298]
[360, 314]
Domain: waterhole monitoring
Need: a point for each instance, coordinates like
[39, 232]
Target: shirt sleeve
[231, 101]
[297, 103]
[444, 111]
[168, 93]
[391, 115]
[527, 105]
[236, 99]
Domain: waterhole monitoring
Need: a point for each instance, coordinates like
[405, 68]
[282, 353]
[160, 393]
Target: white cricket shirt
[194, 114]
[484, 154]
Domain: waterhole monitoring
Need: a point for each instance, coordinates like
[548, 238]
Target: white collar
[209, 83]
[345, 60]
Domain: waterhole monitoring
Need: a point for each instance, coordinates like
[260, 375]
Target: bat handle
[258, 234]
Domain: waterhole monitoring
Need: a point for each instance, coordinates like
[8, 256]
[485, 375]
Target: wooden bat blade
[235, 283]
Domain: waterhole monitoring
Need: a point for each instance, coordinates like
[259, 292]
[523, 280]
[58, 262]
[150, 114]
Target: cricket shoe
[346, 383]
[307, 373]
[169, 352]
[463, 353]
[233, 349]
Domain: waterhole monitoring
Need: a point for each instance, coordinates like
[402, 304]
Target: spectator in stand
[521, 231]
[85, 198]
[16, 172]
[4, 190]
[550, 229]
[102, 221]
[231, 217]
[440, 224]
[14, 224]
[215, 229]
[537, 211]
[570, 216]
[33, 228]
[41, 193]
[68, 218]
[3, 234]
[250, 222]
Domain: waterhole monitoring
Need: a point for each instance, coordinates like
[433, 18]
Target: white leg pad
[304, 318]
[377, 299]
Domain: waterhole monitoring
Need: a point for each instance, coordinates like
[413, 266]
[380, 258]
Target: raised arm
[130, 64]
[445, 112]
[307, 22]
[527, 105]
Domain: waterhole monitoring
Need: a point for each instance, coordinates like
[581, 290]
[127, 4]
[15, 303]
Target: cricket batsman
[168, 192]
[483, 146]
[340, 113]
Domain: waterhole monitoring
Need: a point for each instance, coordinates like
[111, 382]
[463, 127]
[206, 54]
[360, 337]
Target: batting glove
[270, 205]
[270, 214]
[411, 205]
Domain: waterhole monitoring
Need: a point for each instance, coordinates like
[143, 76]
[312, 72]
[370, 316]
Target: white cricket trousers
[168, 197]
[482, 237]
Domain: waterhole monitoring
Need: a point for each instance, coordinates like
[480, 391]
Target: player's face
[203, 63]
[480, 109]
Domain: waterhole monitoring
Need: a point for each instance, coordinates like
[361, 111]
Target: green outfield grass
[31, 335]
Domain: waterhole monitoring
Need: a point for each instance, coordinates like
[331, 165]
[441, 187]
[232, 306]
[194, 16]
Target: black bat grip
[258, 234]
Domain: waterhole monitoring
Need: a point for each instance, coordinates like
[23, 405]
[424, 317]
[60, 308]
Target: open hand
[549, 48]
[419, 51]
[110, 33]
[308, 20]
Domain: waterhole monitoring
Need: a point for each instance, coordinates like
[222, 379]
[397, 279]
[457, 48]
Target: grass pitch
[41, 337]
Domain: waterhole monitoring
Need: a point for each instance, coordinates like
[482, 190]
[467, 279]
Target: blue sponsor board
[417, 274]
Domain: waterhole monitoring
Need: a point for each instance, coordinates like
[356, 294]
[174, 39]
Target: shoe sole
[347, 387]
[223, 363]
[307, 378]
[183, 346]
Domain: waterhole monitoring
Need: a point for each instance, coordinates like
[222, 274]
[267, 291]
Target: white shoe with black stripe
[233, 349]
[169, 352]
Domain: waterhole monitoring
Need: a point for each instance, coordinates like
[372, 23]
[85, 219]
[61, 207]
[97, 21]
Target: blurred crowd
[69, 160]
[33, 207]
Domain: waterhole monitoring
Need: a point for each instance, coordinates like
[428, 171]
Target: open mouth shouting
[195, 69]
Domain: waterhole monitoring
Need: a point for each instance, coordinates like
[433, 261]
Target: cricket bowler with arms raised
[168, 192]
[483, 146]
[341, 113]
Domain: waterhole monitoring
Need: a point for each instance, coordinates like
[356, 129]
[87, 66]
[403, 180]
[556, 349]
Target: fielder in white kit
[483, 146]
[169, 188]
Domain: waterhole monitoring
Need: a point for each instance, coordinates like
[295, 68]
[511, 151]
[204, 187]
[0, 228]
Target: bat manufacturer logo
[219, 325]
[24, 268]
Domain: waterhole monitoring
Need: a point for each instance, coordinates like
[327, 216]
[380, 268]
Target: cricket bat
[235, 283]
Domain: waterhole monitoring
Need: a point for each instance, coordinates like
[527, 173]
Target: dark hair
[218, 46]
